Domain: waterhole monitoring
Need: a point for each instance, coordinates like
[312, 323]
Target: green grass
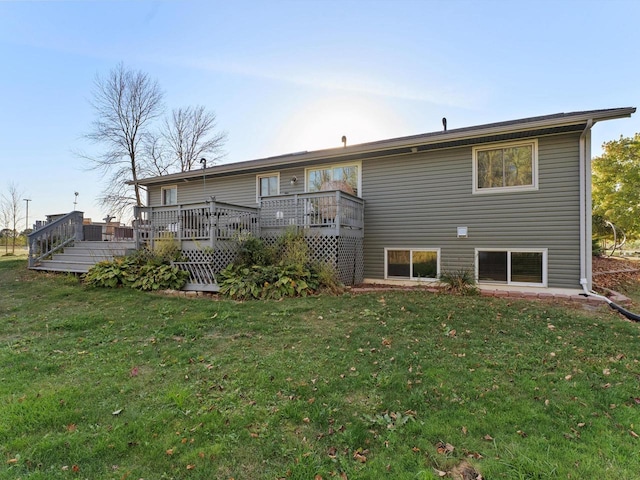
[117, 384]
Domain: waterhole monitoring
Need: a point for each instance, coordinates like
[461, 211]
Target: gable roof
[492, 132]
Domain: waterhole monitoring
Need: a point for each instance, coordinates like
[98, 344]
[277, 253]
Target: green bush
[283, 270]
[160, 277]
[144, 270]
[267, 282]
[115, 273]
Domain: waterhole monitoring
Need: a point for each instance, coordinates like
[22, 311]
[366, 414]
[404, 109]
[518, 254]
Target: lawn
[118, 384]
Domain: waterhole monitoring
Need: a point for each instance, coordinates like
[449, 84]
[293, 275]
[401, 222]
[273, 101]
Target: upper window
[522, 267]
[345, 177]
[170, 195]
[505, 167]
[412, 264]
[268, 185]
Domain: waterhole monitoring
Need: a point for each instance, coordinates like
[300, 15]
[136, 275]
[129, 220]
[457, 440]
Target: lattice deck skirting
[344, 253]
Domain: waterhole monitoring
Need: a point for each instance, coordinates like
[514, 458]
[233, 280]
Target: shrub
[144, 270]
[156, 277]
[461, 281]
[284, 270]
[267, 282]
[115, 273]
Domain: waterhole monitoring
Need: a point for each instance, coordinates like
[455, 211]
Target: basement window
[512, 267]
[412, 264]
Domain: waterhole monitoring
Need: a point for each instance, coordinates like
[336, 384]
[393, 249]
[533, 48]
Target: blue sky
[285, 76]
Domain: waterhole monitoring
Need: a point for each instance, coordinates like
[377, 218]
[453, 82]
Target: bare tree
[11, 213]
[126, 102]
[190, 134]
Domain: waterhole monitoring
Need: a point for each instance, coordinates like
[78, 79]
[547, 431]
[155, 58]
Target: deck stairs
[83, 255]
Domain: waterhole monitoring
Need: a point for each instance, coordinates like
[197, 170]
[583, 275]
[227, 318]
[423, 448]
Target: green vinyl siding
[417, 201]
[237, 189]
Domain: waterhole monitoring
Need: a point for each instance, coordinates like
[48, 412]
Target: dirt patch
[613, 272]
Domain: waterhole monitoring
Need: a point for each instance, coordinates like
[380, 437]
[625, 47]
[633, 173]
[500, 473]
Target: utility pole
[27, 200]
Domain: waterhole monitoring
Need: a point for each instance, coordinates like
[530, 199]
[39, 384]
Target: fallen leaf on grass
[488, 438]
[75, 468]
[11, 461]
[634, 434]
[190, 466]
[440, 473]
[71, 427]
[359, 456]
[117, 412]
[444, 448]
[169, 451]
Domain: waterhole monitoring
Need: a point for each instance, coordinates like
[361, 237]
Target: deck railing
[332, 209]
[209, 221]
[54, 236]
[327, 213]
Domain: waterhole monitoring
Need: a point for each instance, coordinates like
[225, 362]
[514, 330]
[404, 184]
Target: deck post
[338, 211]
[77, 225]
[213, 222]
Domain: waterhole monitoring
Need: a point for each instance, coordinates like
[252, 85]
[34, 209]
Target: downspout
[585, 206]
[585, 223]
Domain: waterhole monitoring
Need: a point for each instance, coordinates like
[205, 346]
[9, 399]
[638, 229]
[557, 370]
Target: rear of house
[509, 202]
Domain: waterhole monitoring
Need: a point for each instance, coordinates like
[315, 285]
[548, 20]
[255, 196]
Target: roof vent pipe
[444, 123]
[344, 140]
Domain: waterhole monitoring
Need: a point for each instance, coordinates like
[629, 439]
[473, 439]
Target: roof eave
[407, 142]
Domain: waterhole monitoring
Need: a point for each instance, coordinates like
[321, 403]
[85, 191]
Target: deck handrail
[54, 236]
[202, 221]
[330, 208]
[330, 212]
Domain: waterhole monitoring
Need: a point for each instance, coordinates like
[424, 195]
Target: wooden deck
[207, 233]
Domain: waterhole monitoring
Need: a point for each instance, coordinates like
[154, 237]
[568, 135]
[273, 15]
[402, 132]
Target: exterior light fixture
[293, 180]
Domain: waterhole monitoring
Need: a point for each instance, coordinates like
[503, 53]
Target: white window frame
[163, 189]
[509, 251]
[266, 175]
[331, 166]
[411, 277]
[496, 146]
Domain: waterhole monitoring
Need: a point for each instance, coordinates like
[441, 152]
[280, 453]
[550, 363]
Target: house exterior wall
[418, 201]
[236, 189]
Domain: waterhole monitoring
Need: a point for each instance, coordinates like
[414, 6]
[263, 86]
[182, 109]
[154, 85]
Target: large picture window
[345, 177]
[505, 167]
[522, 267]
[169, 195]
[412, 264]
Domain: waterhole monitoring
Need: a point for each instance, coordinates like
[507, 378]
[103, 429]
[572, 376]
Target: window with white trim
[169, 195]
[268, 185]
[412, 263]
[512, 267]
[505, 167]
[345, 177]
